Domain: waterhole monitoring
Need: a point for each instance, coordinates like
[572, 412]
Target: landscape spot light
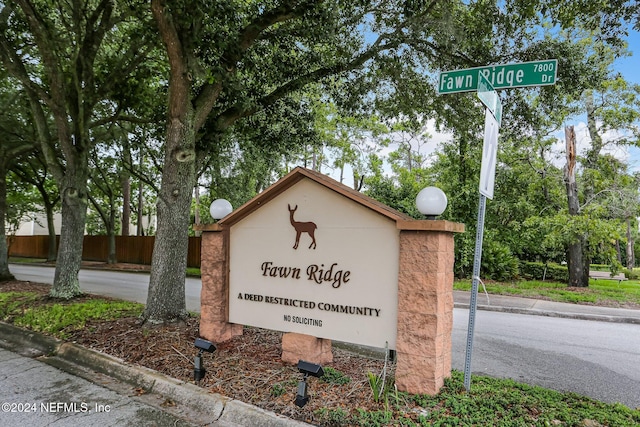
[306, 368]
[198, 365]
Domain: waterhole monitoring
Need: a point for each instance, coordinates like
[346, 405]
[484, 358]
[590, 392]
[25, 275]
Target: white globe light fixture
[220, 208]
[431, 201]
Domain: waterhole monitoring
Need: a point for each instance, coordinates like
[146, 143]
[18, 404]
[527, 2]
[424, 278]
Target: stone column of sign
[425, 310]
[214, 298]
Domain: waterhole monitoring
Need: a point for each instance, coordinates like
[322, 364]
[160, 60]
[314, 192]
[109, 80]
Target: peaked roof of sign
[300, 173]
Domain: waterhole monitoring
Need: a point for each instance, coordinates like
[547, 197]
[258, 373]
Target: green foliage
[22, 203]
[193, 272]
[373, 418]
[376, 385]
[492, 402]
[278, 390]
[13, 303]
[399, 193]
[57, 319]
[333, 376]
[332, 417]
[498, 263]
[383, 389]
[631, 274]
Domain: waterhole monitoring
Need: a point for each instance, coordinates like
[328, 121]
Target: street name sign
[522, 74]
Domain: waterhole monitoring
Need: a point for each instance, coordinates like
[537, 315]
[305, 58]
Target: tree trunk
[74, 212]
[166, 299]
[631, 256]
[618, 251]
[126, 206]
[575, 250]
[52, 251]
[574, 264]
[111, 231]
[5, 274]
[126, 190]
[139, 229]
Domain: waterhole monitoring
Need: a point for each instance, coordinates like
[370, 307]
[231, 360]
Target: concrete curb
[26, 342]
[548, 313]
[210, 406]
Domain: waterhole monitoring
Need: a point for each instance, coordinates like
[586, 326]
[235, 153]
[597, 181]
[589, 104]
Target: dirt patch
[19, 286]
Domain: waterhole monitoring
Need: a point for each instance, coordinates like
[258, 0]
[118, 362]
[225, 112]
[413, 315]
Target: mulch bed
[247, 367]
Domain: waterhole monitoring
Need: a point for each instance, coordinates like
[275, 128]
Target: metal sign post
[473, 304]
[484, 80]
[493, 113]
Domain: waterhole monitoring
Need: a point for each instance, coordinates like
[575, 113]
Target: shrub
[539, 270]
[498, 263]
[631, 274]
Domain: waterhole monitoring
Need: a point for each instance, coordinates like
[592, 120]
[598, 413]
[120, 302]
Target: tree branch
[288, 10]
[178, 68]
[231, 115]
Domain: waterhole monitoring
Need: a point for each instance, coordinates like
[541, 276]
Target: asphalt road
[596, 359]
[127, 286]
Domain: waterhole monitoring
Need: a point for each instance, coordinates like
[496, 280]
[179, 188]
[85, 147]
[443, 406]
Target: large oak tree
[69, 58]
[230, 60]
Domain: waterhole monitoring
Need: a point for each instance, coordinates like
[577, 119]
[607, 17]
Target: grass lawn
[602, 292]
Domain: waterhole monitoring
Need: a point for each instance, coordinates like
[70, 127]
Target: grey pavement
[48, 382]
[59, 398]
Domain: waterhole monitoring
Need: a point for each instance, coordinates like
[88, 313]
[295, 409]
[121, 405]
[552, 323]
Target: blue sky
[630, 66]
[630, 69]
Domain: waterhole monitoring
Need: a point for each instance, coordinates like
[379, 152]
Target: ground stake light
[198, 365]
[306, 368]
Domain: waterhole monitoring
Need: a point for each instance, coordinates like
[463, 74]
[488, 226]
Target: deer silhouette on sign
[302, 227]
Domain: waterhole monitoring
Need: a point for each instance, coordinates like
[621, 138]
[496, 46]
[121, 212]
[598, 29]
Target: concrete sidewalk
[131, 389]
[509, 304]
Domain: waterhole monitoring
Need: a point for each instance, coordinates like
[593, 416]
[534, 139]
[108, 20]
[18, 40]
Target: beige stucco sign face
[314, 262]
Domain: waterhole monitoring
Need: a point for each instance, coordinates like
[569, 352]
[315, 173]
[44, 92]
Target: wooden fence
[129, 249]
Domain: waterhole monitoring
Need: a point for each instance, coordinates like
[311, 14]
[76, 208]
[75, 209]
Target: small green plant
[377, 386]
[373, 418]
[12, 303]
[278, 390]
[333, 376]
[332, 417]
